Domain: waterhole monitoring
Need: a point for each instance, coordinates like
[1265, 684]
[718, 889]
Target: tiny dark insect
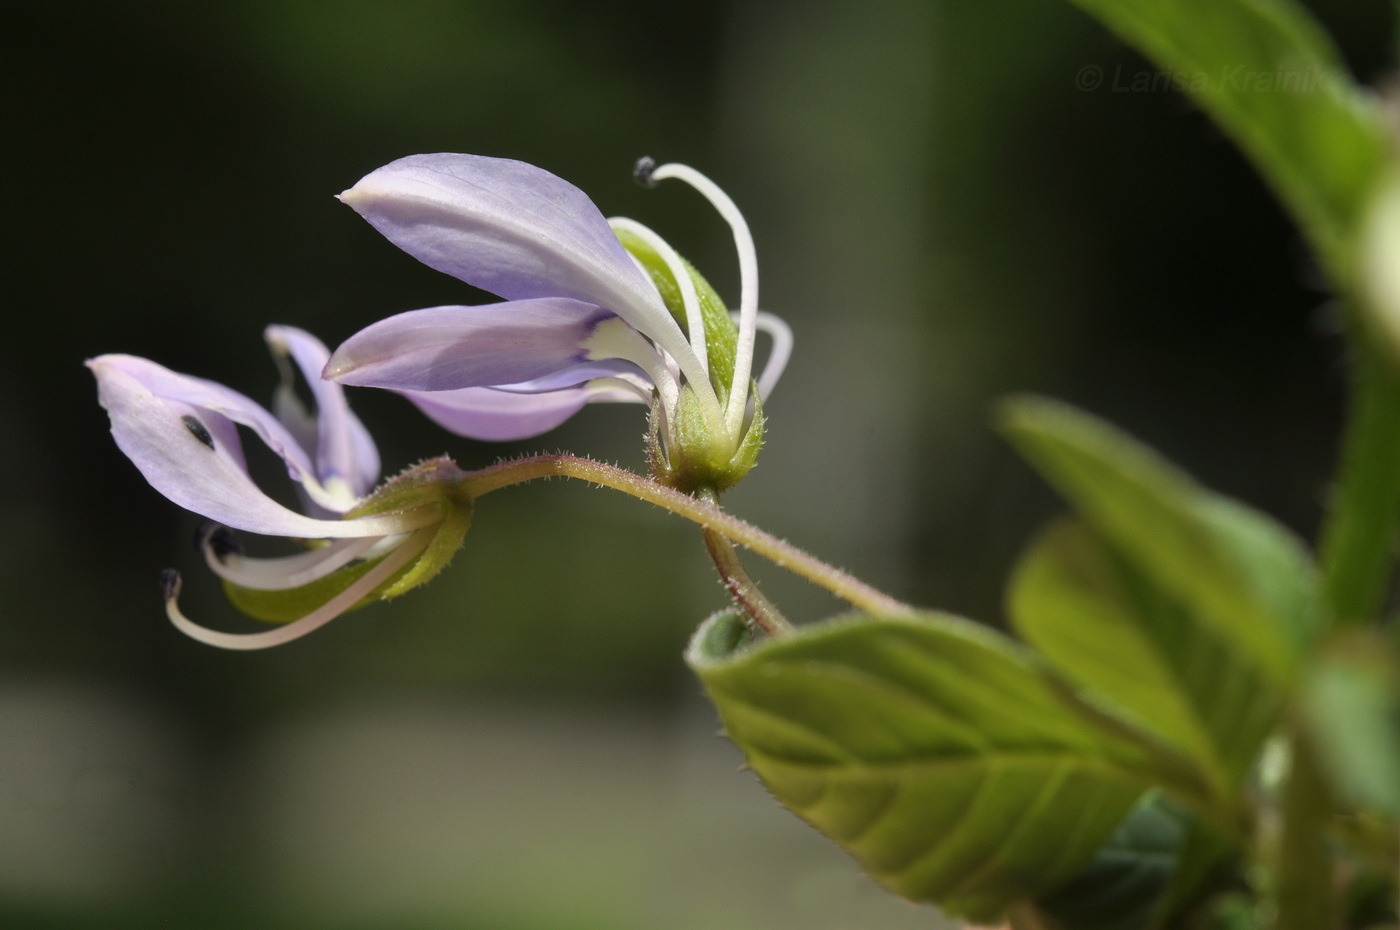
[197, 428]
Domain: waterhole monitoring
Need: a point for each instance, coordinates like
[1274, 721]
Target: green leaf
[1109, 628]
[937, 752]
[1352, 702]
[1270, 76]
[1206, 861]
[1122, 886]
[1236, 569]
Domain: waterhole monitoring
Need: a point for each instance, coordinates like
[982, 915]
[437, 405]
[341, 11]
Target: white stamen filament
[778, 354]
[616, 339]
[695, 372]
[290, 571]
[621, 390]
[694, 321]
[339, 488]
[748, 284]
[327, 497]
[411, 547]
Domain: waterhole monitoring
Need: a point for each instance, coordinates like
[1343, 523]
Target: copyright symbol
[1088, 78]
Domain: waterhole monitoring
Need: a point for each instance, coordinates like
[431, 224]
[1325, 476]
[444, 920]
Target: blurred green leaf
[1110, 629]
[1202, 866]
[1122, 886]
[1236, 569]
[935, 751]
[1352, 702]
[1270, 76]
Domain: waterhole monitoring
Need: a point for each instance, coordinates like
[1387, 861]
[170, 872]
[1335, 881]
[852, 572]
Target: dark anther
[218, 538]
[170, 584]
[642, 170]
[197, 429]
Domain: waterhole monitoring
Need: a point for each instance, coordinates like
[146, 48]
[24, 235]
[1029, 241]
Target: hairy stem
[709, 517]
[1358, 541]
[1303, 897]
[763, 612]
[743, 589]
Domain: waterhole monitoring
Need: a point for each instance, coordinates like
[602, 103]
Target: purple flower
[583, 319]
[182, 433]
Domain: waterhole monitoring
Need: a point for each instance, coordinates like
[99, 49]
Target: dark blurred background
[943, 213]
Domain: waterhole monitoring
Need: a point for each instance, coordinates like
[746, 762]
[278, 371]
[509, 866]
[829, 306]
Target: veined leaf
[1109, 628]
[935, 751]
[1234, 568]
[1270, 76]
[1205, 861]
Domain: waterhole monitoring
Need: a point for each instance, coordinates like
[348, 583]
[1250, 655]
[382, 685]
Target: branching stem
[714, 521]
[743, 589]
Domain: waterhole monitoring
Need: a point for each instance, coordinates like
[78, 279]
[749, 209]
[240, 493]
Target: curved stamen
[333, 498]
[622, 387]
[748, 278]
[621, 390]
[284, 572]
[410, 548]
[694, 322]
[616, 339]
[778, 354]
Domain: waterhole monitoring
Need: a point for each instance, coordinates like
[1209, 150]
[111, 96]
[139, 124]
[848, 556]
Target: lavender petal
[229, 406]
[512, 229]
[446, 348]
[499, 416]
[176, 431]
[344, 448]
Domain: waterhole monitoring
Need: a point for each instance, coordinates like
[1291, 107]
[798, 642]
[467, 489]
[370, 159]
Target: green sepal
[433, 484]
[940, 754]
[695, 459]
[294, 603]
[721, 335]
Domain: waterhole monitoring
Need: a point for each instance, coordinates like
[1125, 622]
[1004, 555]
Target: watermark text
[1121, 80]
